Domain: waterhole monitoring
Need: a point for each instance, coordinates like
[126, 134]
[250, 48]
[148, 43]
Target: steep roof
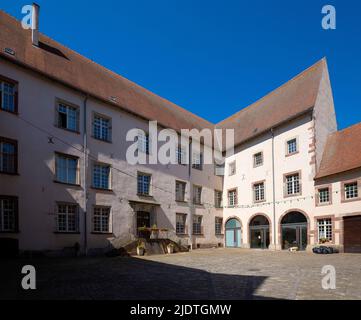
[70, 68]
[342, 152]
[60, 63]
[295, 97]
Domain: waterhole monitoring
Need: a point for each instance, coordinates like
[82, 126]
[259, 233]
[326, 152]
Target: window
[323, 195]
[232, 198]
[144, 184]
[324, 229]
[219, 170]
[218, 199]
[218, 226]
[258, 159]
[102, 128]
[67, 117]
[67, 218]
[292, 147]
[181, 155]
[197, 195]
[8, 156]
[143, 142]
[351, 190]
[259, 194]
[180, 190]
[66, 169]
[181, 223]
[101, 219]
[293, 184]
[8, 214]
[101, 176]
[197, 225]
[8, 95]
[232, 168]
[197, 161]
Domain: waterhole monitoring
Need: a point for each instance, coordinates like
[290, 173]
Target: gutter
[273, 190]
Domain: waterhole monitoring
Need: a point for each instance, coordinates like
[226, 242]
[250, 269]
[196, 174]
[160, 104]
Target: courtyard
[237, 274]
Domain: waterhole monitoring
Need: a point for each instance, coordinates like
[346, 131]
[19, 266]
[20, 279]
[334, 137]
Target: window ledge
[68, 130]
[64, 232]
[102, 140]
[292, 154]
[350, 200]
[181, 201]
[67, 184]
[102, 233]
[15, 113]
[102, 190]
[292, 195]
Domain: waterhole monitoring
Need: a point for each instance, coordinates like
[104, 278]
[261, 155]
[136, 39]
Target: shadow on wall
[124, 279]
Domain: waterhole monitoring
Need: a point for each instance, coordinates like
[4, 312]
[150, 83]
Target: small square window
[258, 159]
[67, 117]
[351, 190]
[324, 195]
[292, 147]
[102, 128]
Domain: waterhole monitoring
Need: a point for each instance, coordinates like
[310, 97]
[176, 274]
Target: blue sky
[212, 57]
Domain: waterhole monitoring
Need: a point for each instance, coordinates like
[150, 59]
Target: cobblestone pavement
[201, 274]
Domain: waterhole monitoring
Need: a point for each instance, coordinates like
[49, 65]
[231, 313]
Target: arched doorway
[259, 232]
[294, 230]
[233, 233]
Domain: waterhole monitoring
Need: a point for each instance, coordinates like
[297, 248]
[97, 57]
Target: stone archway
[233, 229]
[294, 230]
[259, 231]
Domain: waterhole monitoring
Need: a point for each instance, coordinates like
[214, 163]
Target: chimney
[35, 24]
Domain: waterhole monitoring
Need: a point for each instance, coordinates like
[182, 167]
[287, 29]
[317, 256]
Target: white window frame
[181, 224]
[325, 229]
[197, 225]
[353, 193]
[68, 107]
[197, 160]
[144, 142]
[256, 162]
[104, 125]
[103, 166]
[67, 169]
[197, 195]
[288, 145]
[232, 168]
[293, 183]
[218, 199]
[67, 215]
[259, 192]
[102, 216]
[8, 214]
[13, 94]
[218, 227]
[232, 198]
[141, 190]
[180, 190]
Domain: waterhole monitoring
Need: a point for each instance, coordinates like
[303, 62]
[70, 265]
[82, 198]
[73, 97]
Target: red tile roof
[342, 152]
[89, 77]
[68, 67]
[295, 97]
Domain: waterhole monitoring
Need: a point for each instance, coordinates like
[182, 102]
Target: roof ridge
[270, 93]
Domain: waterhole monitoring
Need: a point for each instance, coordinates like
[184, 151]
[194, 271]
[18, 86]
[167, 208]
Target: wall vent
[9, 51]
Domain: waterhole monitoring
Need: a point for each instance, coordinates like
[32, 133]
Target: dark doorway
[294, 231]
[259, 232]
[143, 220]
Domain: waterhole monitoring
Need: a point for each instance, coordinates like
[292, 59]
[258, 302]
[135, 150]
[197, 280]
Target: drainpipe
[274, 191]
[85, 170]
[190, 228]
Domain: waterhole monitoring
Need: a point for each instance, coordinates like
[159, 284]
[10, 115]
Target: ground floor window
[324, 230]
[67, 218]
[197, 225]
[181, 223]
[218, 226]
[101, 219]
[8, 214]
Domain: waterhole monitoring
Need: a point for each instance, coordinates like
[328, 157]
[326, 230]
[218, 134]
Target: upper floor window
[351, 190]
[8, 156]
[258, 159]
[8, 214]
[197, 161]
[181, 155]
[144, 184]
[101, 176]
[218, 199]
[66, 169]
[102, 128]
[219, 169]
[197, 195]
[292, 146]
[8, 95]
[323, 195]
[180, 190]
[292, 184]
[218, 225]
[143, 142]
[67, 117]
[232, 168]
[197, 225]
[258, 192]
[181, 223]
[232, 198]
[101, 219]
[67, 218]
[324, 229]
